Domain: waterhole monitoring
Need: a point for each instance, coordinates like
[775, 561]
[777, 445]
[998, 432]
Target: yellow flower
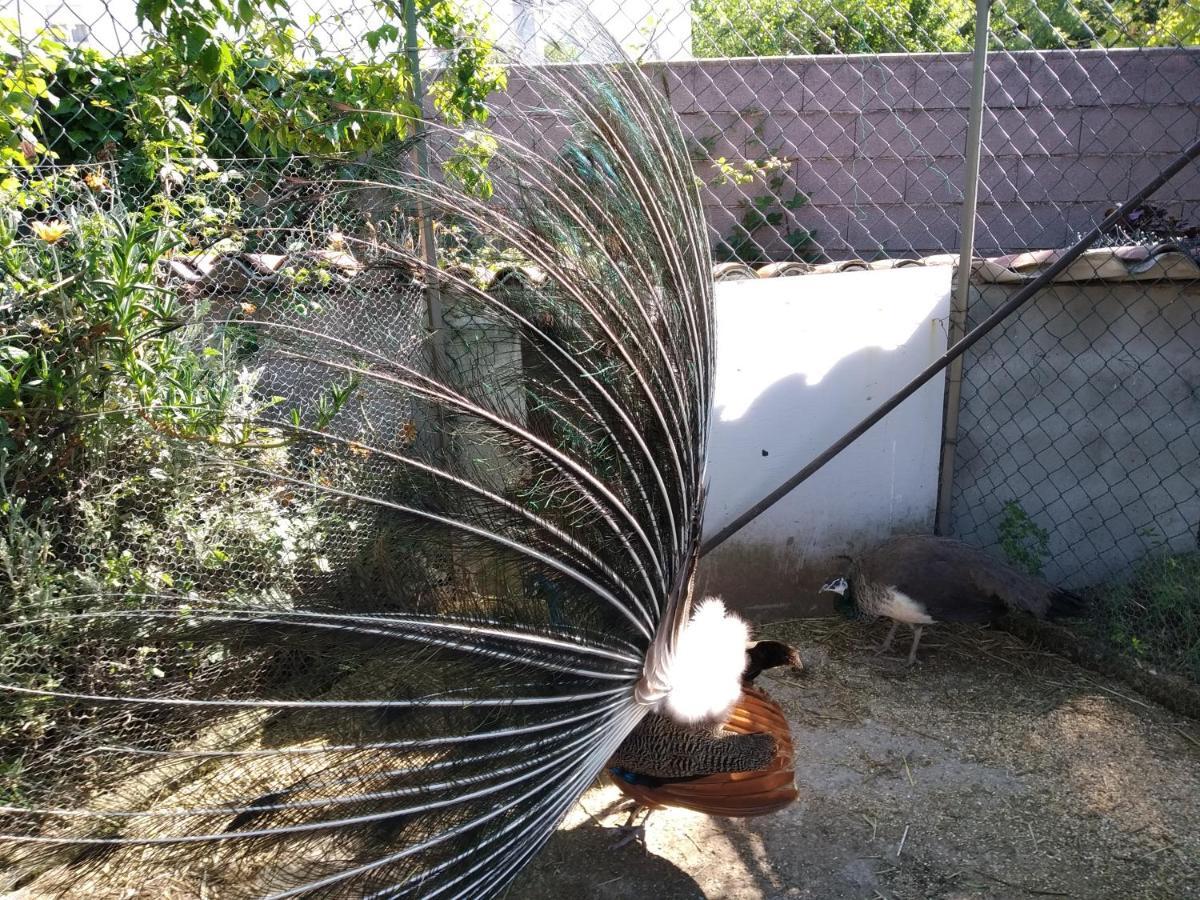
[51, 232]
[96, 181]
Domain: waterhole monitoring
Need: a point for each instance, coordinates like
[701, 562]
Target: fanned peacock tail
[487, 530]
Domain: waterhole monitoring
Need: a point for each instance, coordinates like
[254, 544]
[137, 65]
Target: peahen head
[839, 586]
[844, 603]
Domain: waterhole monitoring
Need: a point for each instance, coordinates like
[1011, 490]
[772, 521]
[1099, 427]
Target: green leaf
[209, 59]
[151, 11]
[753, 220]
[195, 38]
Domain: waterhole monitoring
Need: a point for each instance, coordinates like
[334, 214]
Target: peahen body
[922, 579]
[492, 531]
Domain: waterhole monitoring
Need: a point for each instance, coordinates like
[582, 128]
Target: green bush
[136, 471]
[89, 327]
[1154, 615]
[1026, 544]
[217, 81]
[132, 447]
[801, 27]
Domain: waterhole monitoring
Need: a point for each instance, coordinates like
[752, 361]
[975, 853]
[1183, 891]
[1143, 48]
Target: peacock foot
[629, 834]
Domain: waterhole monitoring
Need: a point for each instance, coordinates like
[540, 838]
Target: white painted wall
[106, 25]
[799, 362]
[646, 29]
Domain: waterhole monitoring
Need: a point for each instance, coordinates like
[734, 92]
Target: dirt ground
[989, 770]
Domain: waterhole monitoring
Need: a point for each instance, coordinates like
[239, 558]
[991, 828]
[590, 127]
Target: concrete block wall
[876, 142]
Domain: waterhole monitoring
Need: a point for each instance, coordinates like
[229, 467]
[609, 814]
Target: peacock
[738, 767]
[489, 527]
[920, 579]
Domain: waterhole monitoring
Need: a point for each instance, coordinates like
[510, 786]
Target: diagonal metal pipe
[1014, 303]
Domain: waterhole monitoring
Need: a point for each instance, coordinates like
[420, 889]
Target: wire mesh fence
[1078, 446]
[263, 372]
[854, 146]
[230, 479]
[819, 130]
[823, 130]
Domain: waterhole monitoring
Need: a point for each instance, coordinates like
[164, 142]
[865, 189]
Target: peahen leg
[912, 654]
[887, 641]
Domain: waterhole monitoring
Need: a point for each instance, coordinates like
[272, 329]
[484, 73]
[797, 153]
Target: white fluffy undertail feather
[903, 608]
[703, 677]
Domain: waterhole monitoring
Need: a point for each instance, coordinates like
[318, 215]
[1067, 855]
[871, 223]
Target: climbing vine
[218, 80]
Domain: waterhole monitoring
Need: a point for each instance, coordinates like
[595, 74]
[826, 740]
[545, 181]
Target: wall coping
[234, 273]
[1161, 262]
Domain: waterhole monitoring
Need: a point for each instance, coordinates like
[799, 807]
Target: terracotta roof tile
[237, 272]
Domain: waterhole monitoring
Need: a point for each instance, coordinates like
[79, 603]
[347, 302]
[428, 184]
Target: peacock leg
[912, 654]
[630, 832]
[887, 641]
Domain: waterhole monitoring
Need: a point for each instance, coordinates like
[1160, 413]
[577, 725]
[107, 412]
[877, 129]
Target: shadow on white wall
[799, 362]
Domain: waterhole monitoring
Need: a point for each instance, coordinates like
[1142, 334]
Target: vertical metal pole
[439, 361]
[433, 291]
[966, 254]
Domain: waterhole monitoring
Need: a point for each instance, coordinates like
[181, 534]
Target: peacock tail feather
[481, 531]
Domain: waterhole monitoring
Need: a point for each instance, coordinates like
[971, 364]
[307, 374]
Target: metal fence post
[433, 292]
[966, 254]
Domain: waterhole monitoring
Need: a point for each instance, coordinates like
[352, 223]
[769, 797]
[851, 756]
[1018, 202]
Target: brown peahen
[490, 529]
[921, 579]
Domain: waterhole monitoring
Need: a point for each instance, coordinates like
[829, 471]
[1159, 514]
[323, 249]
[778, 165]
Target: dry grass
[992, 769]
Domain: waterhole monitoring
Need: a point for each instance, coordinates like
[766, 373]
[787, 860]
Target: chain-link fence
[1078, 443]
[820, 129]
[305, 328]
[838, 130]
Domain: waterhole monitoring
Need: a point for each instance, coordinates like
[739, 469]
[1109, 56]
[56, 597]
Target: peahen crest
[481, 532]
